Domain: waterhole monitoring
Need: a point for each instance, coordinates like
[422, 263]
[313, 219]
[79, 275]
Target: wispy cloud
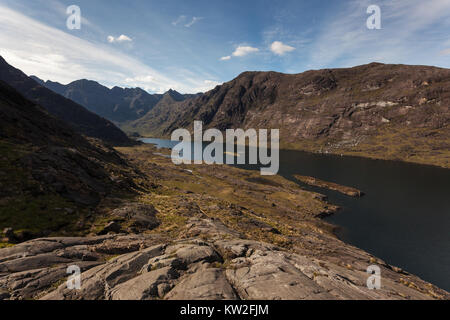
[50, 53]
[225, 58]
[180, 19]
[410, 30]
[193, 21]
[279, 48]
[121, 38]
[445, 52]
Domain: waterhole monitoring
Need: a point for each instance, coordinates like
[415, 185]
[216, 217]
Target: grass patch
[26, 213]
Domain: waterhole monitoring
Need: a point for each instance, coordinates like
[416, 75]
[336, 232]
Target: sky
[193, 45]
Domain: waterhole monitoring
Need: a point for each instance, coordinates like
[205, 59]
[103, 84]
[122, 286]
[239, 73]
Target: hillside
[160, 115]
[52, 178]
[80, 119]
[382, 111]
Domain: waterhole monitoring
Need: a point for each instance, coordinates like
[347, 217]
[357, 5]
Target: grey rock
[34, 262]
[207, 284]
[145, 286]
[97, 282]
[190, 254]
[220, 265]
[268, 275]
[141, 217]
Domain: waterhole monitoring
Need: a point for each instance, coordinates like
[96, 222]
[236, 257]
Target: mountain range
[377, 110]
[396, 112]
[117, 104]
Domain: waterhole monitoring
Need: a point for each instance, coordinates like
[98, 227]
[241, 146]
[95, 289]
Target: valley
[218, 232]
[391, 112]
[76, 190]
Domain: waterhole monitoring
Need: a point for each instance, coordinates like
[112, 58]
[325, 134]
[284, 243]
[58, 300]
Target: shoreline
[289, 147]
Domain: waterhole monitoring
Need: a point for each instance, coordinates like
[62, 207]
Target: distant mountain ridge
[80, 119]
[116, 104]
[376, 110]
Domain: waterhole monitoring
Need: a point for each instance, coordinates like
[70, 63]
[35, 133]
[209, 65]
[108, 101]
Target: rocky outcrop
[349, 191]
[139, 267]
[139, 217]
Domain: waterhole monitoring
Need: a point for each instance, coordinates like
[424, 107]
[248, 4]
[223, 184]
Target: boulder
[112, 226]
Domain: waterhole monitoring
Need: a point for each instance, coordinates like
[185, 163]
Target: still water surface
[404, 218]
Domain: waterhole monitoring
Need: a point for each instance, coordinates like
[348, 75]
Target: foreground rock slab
[140, 267]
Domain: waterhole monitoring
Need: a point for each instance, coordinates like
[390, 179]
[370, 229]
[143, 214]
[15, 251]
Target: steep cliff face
[80, 119]
[376, 110]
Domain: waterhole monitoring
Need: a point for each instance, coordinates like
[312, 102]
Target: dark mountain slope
[77, 116]
[117, 104]
[163, 113]
[375, 110]
[50, 176]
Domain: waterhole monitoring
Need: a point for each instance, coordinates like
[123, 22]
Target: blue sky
[193, 45]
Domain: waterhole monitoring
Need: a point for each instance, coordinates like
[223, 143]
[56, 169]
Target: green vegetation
[24, 207]
[34, 215]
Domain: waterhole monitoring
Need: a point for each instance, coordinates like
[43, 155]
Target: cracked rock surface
[139, 267]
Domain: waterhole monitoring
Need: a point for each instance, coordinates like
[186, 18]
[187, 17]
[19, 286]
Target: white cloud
[193, 21]
[445, 52]
[140, 79]
[242, 51]
[279, 48]
[52, 54]
[180, 19]
[207, 85]
[121, 38]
